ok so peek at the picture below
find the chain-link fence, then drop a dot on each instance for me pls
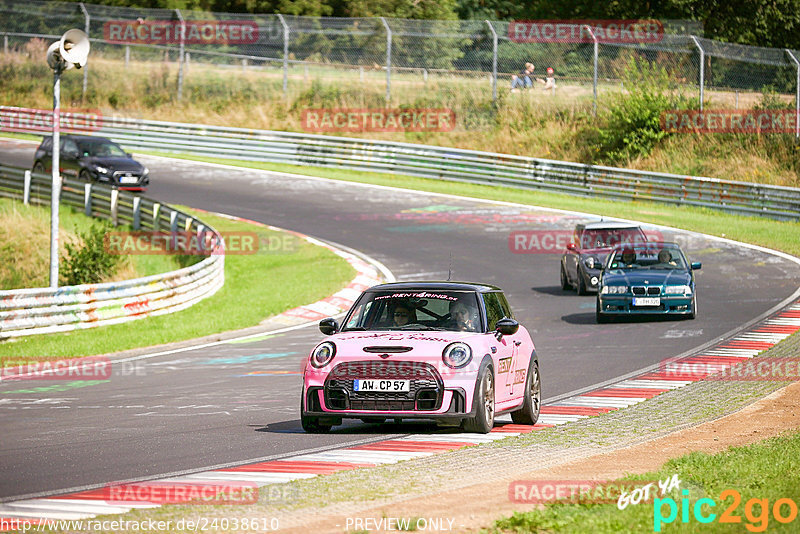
(468, 66)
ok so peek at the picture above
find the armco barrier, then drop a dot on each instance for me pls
(45, 310)
(437, 162)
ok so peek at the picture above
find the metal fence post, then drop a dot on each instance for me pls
(494, 61)
(87, 19)
(285, 54)
(796, 96)
(127, 55)
(114, 206)
(156, 215)
(180, 53)
(26, 188)
(137, 212)
(388, 61)
(702, 68)
(5, 44)
(594, 77)
(87, 199)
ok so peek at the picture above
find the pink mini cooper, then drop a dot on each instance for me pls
(445, 351)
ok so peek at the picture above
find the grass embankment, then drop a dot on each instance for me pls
(758, 231)
(256, 287)
(25, 246)
(765, 471)
(534, 123)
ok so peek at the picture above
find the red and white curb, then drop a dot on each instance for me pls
(88, 504)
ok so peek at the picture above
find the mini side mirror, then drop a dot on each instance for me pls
(129, 154)
(506, 327)
(696, 265)
(328, 326)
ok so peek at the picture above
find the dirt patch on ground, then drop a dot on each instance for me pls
(475, 507)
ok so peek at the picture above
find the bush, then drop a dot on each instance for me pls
(632, 125)
(89, 262)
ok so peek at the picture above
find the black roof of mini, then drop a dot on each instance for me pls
(432, 285)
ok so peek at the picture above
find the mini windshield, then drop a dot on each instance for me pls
(101, 149)
(455, 311)
(608, 237)
(653, 256)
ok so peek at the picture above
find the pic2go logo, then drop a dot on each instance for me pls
(756, 511)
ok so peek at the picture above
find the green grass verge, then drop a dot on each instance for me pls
(777, 235)
(26, 245)
(768, 470)
(256, 287)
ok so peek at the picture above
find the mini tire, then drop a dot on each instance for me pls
(38, 167)
(565, 285)
(311, 424)
(483, 421)
(531, 406)
(85, 176)
(580, 287)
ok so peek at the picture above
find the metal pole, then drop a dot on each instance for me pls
(5, 44)
(127, 55)
(702, 68)
(85, 67)
(55, 192)
(594, 77)
(285, 54)
(180, 53)
(796, 96)
(494, 61)
(388, 61)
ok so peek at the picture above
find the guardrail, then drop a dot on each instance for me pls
(44, 310)
(432, 162)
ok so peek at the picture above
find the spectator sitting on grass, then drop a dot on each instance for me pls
(550, 81)
(523, 79)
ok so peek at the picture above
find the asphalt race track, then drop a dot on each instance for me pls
(239, 401)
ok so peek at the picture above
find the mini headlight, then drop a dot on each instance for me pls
(323, 354)
(591, 262)
(678, 290)
(457, 355)
(146, 171)
(101, 170)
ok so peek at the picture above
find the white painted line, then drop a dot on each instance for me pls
(10, 511)
(600, 402)
(738, 353)
(238, 478)
(557, 418)
(784, 321)
(85, 506)
(652, 384)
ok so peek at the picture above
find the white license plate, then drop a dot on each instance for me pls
(647, 301)
(382, 385)
(128, 179)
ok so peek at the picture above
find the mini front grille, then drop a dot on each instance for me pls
(388, 349)
(426, 387)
